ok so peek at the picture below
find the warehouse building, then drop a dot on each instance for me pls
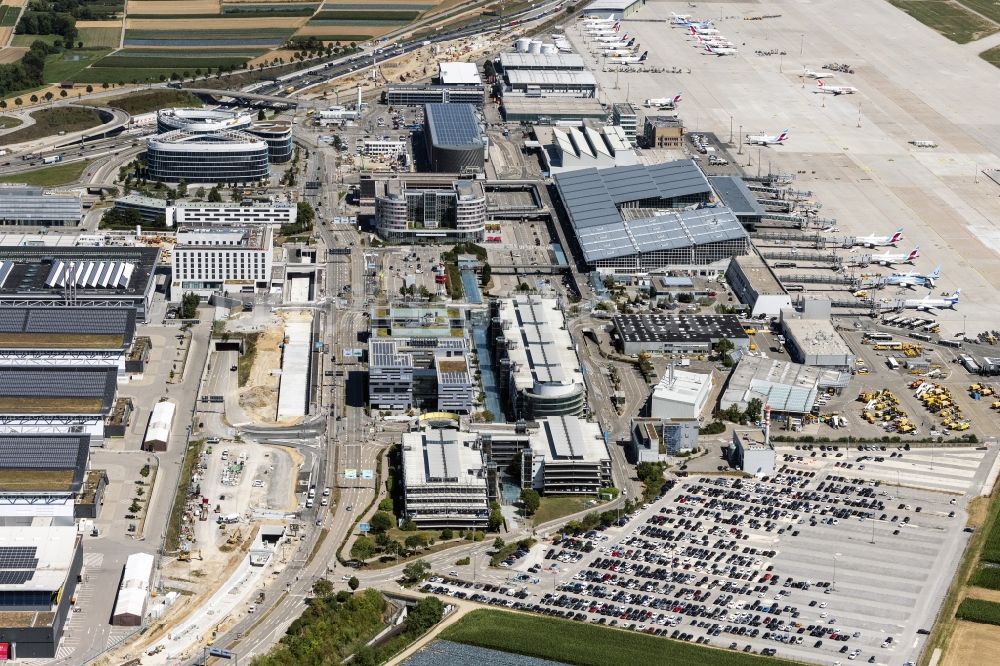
(756, 285)
(26, 206)
(618, 9)
(734, 194)
(418, 94)
(458, 74)
(790, 389)
(680, 394)
(444, 480)
(221, 260)
(538, 371)
(158, 430)
(628, 220)
(111, 276)
(541, 61)
(677, 334)
(653, 439)
(538, 83)
(46, 336)
(133, 591)
(410, 209)
(750, 452)
(552, 110)
(48, 463)
(454, 139)
(568, 148)
(812, 338)
(42, 562)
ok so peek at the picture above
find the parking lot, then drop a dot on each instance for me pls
(840, 553)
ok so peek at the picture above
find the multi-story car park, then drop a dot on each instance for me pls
(21, 205)
(220, 157)
(418, 94)
(444, 479)
(538, 371)
(108, 276)
(414, 208)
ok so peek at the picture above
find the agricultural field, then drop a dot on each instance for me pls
(12, 54)
(8, 15)
(570, 642)
(172, 8)
(979, 610)
(175, 59)
(99, 34)
(340, 33)
(948, 18)
(66, 66)
(208, 38)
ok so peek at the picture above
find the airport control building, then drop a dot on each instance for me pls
(650, 218)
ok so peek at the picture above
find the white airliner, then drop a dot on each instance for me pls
(701, 29)
(835, 90)
(720, 50)
(621, 45)
(914, 279)
(680, 19)
(611, 39)
(879, 241)
(818, 75)
(618, 53)
(630, 60)
(766, 140)
(890, 258)
(604, 31)
(927, 303)
(663, 102)
(596, 20)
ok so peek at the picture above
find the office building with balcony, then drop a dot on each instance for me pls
(444, 480)
(408, 210)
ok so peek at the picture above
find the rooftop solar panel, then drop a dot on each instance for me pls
(453, 125)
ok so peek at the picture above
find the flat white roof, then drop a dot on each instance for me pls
(458, 73)
(814, 336)
(566, 77)
(442, 457)
(542, 350)
(683, 387)
(45, 550)
(565, 438)
(160, 422)
(294, 370)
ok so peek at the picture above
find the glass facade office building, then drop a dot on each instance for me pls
(220, 157)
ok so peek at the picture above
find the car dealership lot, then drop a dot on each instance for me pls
(817, 562)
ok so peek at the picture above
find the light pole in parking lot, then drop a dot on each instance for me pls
(833, 585)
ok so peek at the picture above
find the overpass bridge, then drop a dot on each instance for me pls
(251, 96)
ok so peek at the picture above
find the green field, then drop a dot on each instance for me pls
(335, 37)
(988, 8)
(9, 122)
(208, 34)
(8, 15)
(978, 610)
(992, 56)
(991, 545)
(50, 121)
(292, 12)
(177, 63)
(586, 644)
(66, 66)
(951, 20)
(124, 75)
(557, 506)
(60, 174)
(988, 577)
(28, 40)
(144, 102)
(373, 17)
(100, 37)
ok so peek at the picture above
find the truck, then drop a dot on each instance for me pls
(229, 519)
(52, 159)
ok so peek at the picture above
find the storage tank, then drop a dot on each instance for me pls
(535, 46)
(549, 49)
(521, 44)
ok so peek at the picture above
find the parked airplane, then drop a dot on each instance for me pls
(611, 39)
(890, 258)
(702, 29)
(621, 45)
(927, 303)
(596, 20)
(680, 19)
(630, 60)
(835, 90)
(818, 75)
(604, 31)
(720, 50)
(879, 241)
(617, 52)
(766, 140)
(914, 279)
(663, 102)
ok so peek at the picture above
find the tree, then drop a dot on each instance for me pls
(530, 500)
(182, 188)
(498, 543)
(424, 615)
(408, 526)
(3, 104)
(487, 274)
(385, 504)
(261, 115)
(48, 96)
(18, 101)
(34, 99)
(380, 522)
(322, 587)
(189, 305)
(363, 548)
(414, 572)
(496, 518)
(353, 583)
(214, 196)
(63, 93)
(90, 88)
(754, 409)
(447, 534)
(200, 192)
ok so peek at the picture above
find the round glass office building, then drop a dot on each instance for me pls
(217, 157)
(201, 121)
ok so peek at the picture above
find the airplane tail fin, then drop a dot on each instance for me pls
(616, 26)
(936, 274)
(677, 98)
(783, 136)
(819, 83)
(914, 253)
(642, 58)
(954, 296)
(897, 236)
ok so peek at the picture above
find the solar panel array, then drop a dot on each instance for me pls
(30, 382)
(15, 577)
(18, 451)
(95, 321)
(17, 564)
(453, 125)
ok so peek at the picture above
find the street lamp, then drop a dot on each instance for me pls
(833, 586)
(740, 151)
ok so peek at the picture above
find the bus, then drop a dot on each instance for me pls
(894, 345)
(951, 343)
(931, 327)
(877, 337)
(892, 363)
(794, 287)
(921, 336)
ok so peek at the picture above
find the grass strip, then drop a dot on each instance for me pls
(172, 538)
